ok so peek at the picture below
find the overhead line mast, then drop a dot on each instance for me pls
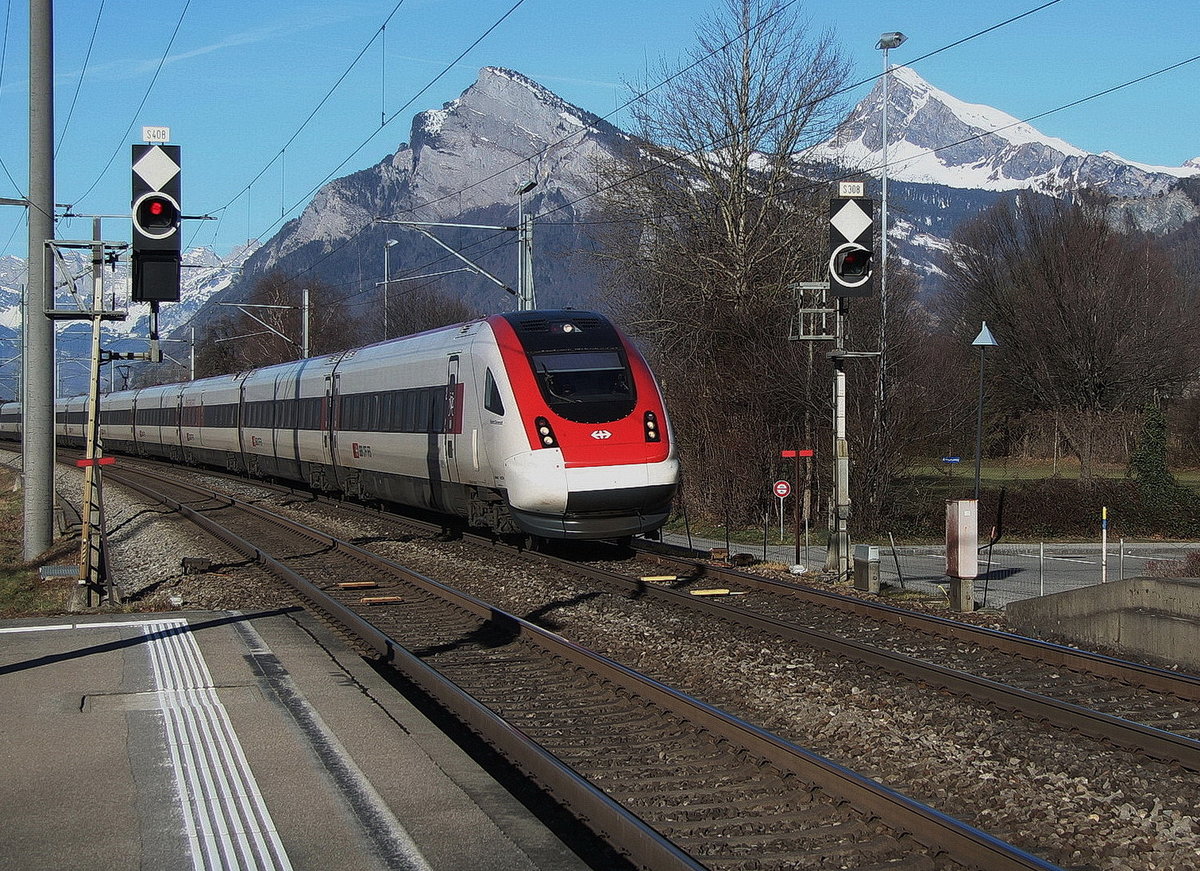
(37, 358)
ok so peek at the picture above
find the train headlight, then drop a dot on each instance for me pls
(650, 423)
(545, 433)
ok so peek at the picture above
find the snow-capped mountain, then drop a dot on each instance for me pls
(948, 160)
(203, 275)
(935, 138)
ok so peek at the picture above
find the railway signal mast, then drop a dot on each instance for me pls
(157, 219)
(155, 278)
(850, 274)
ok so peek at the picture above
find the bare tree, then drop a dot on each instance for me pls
(709, 225)
(236, 342)
(1090, 321)
(415, 309)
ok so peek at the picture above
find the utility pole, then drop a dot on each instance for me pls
(95, 584)
(838, 555)
(37, 363)
(93, 570)
(526, 297)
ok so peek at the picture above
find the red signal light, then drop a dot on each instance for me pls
(856, 262)
(156, 216)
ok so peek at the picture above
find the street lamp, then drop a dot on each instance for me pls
(887, 41)
(387, 274)
(982, 341)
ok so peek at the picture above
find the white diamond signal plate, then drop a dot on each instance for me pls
(851, 221)
(156, 168)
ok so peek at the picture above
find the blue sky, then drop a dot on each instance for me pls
(240, 78)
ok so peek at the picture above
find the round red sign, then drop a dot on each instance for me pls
(782, 489)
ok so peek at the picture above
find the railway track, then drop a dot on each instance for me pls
(670, 781)
(1140, 708)
(1132, 705)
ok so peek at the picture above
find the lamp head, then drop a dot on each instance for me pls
(891, 40)
(985, 339)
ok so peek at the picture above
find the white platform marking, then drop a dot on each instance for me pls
(226, 819)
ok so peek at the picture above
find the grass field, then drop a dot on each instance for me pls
(998, 472)
(22, 592)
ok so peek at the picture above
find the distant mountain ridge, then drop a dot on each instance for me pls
(462, 161)
(948, 161)
(204, 274)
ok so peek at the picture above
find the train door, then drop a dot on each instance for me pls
(453, 421)
(329, 425)
(240, 422)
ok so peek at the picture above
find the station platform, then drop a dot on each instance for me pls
(226, 740)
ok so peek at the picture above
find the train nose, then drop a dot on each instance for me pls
(537, 481)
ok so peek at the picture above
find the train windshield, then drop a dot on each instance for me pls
(585, 386)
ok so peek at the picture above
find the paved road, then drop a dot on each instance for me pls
(1015, 571)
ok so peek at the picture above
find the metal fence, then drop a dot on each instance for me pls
(1007, 572)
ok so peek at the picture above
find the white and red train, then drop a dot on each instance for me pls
(547, 423)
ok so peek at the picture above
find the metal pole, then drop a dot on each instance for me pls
(528, 296)
(837, 557)
(520, 251)
(38, 330)
(979, 425)
(192, 354)
(386, 275)
(1041, 568)
(92, 583)
(881, 386)
(1104, 545)
(304, 346)
(796, 512)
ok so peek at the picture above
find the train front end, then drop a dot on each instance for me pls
(597, 457)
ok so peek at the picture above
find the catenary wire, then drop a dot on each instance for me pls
(334, 249)
(809, 186)
(312, 191)
(316, 109)
(846, 89)
(3, 59)
(87, 57)
(697, 62)
(153, 79)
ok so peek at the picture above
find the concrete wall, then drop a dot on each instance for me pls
(1154, 617)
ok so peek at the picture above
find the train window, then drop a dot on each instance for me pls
(491, 394)
(586, 386)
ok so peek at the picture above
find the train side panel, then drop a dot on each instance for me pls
(399, 417)
(116, 428)
(209, 422)
(156, 422)
(10, 421)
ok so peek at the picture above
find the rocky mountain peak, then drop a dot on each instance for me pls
(508, 114)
